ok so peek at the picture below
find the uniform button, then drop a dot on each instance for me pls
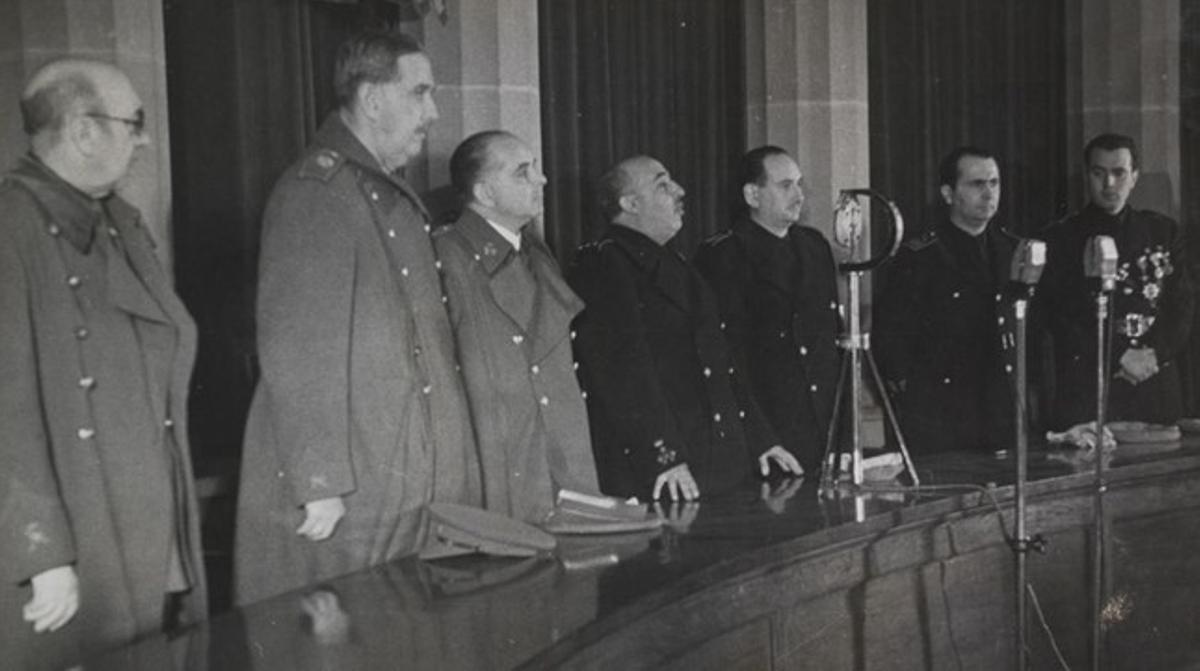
(87, 382)
(518, 339)
(832, 305)
(997, 298)
(416, 350)
(575, 366)
(1008, 368)
(445, 300)
(112, 232)
(731, 370)
(803, 351)
(583, 395)
(722, 326)
(1000, 321)
(54, 230)
(545, 400)
(404, 272)
(783, 334)
(391, 232)
(741, 414)
(572, 335)
(534, 369)
(74, 281)
(85, 433)
(945, 380)
(437, 264)
(478, 257)
(374, 195)
(720, 434)
(813, 388)
(168, 422)
(716, 416)
(428, 228)
(707, 372)
(427, 389)
(82, 333)
(954, 295)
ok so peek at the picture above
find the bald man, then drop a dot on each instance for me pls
(671, 417)
(99, 539)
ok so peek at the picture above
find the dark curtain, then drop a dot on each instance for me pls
(1189, 110)
(625, 77)
(945, 73)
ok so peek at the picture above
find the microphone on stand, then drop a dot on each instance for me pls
(1100, 261)
(1028, 262)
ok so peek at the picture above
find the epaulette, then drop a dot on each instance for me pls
(922, 241)
(322, 164)
(717, 239)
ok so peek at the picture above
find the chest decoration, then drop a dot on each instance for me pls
(1141, 284)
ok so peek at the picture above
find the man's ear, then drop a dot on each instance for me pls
(481, 192)
(947, 194)
(81, 132)
(750, 194)
(367, 100)
(628, 202)
(1133, 178)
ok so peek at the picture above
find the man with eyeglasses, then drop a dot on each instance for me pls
(359, 419)
(99, 535)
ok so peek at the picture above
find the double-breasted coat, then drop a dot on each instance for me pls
(360, 396)
(943, 335)
(511, 315)
(662, 389)
(1152, 307)
(96, 352)
(779, 302)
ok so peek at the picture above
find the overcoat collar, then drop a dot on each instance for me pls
(76, 214)
(555, 304)
(960, 247)
(649, 257)
(763, 254)
(336, 135)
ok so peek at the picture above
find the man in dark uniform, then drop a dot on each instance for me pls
(941, 321)
(1151, 307)
(360, 418)
(776, 285)
(669, 412)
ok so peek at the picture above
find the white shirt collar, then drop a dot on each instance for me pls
(513, 239)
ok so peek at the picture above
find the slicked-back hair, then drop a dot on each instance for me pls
(470, 160)
(46, 108)
(752, 170)
(948, 170)
(613, 184)
(369, 58)
(1111, 142)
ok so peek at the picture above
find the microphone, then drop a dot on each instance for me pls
(848, 221)
(1100, 261)
(1028, 261)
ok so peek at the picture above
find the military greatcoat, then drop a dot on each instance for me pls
(942, 334)
(96, 351)
(360, 396)
(661, 387)
(778, 298)
(1151, 307)
(511, 314)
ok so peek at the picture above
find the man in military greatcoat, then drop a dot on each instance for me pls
(1151, 307)
(776, 284)
(942, 321)
(670, 414)
(99, 535)
(511, 312)
(359, 419)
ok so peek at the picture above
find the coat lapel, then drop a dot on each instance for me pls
(126, 288)
(556, 305)
(647, 256)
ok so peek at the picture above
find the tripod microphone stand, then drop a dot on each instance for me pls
(856, 343)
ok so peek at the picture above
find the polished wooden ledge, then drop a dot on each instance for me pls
(772, 576)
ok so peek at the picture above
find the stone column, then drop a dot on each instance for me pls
(806, 67)
(128, 33)
(485, 59)
(1125, 64)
